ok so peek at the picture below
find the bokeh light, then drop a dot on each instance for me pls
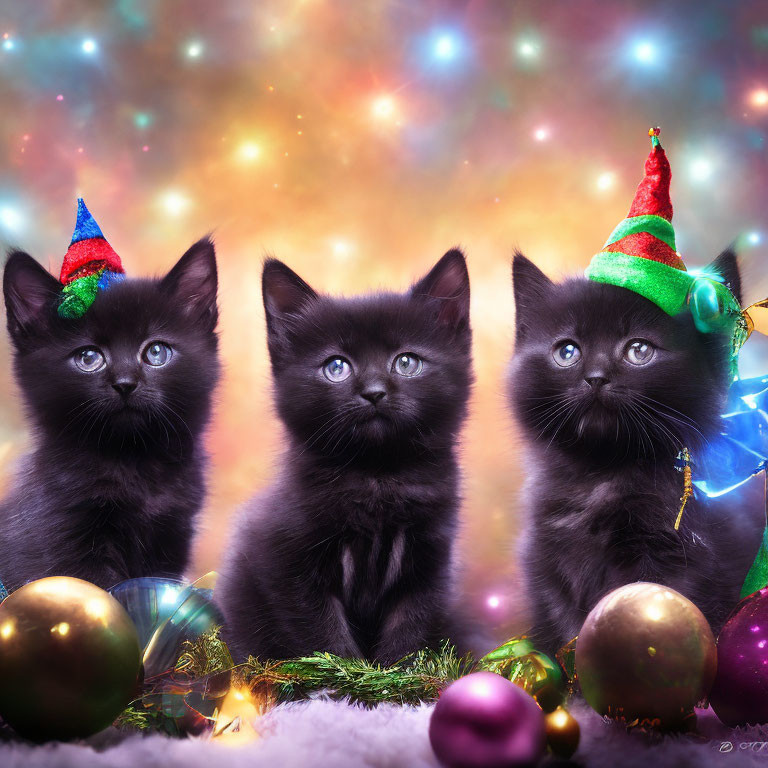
(89, 46)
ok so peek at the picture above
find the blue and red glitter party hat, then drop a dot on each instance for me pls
(90, 265)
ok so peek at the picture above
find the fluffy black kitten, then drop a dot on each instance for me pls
(117, 401)
(350, 550)
(608, 388)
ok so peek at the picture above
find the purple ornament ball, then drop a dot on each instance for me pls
(740, 693)
(485, 721)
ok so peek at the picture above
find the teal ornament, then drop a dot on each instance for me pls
(706, 306)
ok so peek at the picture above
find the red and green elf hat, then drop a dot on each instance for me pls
(640, 255)
(90, 265)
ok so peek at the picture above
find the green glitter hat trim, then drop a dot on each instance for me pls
(654, 225)
(78, 295)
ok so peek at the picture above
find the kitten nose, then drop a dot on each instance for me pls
(124, 386)
(596, 381)
(373, 394)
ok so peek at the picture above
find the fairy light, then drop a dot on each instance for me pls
(194, 49)
(759, 97)
(493, 601)
(248, 151)
(445, 47)
(174, 203)
(700, 169)
(606, 180)
(754, 238)
(528, 49)
(541, 133)
(11, 218)
(383, 107)
(644, 52)
(89, 46)
(8, 42)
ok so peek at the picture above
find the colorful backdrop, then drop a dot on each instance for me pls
(358, 141)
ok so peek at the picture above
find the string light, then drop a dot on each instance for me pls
(8, 43)
(754, 238)
(541, 133)
(89, 46)
(493, 601)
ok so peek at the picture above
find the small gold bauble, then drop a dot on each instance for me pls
(563, 733)
(645, 653)
(69, 659)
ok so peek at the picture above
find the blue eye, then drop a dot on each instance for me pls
(407, 364)
(566, 353)
(157, 353)
(89, 359)
(337, 369)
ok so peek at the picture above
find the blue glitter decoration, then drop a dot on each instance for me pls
(741, 450)
(109, 278)
(86, 227)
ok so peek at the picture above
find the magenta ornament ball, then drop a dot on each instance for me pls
(740, 693)
(485, 721)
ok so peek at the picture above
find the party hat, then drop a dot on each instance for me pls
(641, 255)
(90, 265)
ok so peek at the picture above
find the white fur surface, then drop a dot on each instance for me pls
(333, 735)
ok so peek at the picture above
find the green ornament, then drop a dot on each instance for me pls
(533, 671)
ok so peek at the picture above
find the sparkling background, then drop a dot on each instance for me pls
(358, 141)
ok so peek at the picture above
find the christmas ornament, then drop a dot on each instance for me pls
(90, 265)
(645, 652)
(563, 733)
(69, 659)
(484, 720)
(641, 255)
(740, 693)
(532, 670)
(149, 602)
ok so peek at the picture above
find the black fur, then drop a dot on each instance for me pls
(602, 492)
(350, 550)
(115, 480)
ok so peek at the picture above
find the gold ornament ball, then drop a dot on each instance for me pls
(563, 733)
(69, 659)
(645, 653)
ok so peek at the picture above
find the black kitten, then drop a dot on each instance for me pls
(117, 400)
(350, 551)
(608, 388)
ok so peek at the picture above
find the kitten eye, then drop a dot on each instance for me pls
(407, 364)
(157, 353)
(639, 352)
(337, 369)
(566, 353)
(89, 359)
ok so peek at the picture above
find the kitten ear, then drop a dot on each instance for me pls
(193, 282)
(29, 291)
(284, 292)
(530, 286)
(726, 266)
(448, 283)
